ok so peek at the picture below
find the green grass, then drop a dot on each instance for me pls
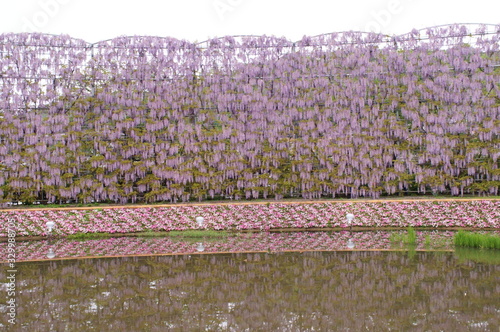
(89, 236)
(397, 237)
(427, 241)
(198, 234)
(409, 238)
(178, 234)
(151, 234)
(476, 240)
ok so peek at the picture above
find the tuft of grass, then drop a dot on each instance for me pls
(151, 234)
(397, 237)
(409, 238)
(476, 240)
(427, 241)
(198, 234)
(89, 236)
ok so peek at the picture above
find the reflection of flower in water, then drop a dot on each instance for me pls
(323, 289)
(243, 242)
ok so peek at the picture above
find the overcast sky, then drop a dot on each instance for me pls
(198, 20)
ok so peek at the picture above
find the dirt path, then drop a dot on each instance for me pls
(294, 201)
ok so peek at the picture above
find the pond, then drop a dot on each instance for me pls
(280, 291)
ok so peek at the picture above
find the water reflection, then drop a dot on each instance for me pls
(312, 291)
(238, 242)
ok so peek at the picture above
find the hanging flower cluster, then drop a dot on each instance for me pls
(160, 119)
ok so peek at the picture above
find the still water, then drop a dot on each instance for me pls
(310, 291)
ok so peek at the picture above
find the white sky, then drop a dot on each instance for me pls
(198, 20)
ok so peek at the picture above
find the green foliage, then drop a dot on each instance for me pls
(177, 234)
(88, 236)
(396, 237)
(198, 233)
(410, 238)
(427, 241)
(477, 240)
(151, 234)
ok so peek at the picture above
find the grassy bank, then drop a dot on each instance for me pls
(178, 234)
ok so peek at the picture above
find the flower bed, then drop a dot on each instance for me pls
(241, 242)
(438, 214)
